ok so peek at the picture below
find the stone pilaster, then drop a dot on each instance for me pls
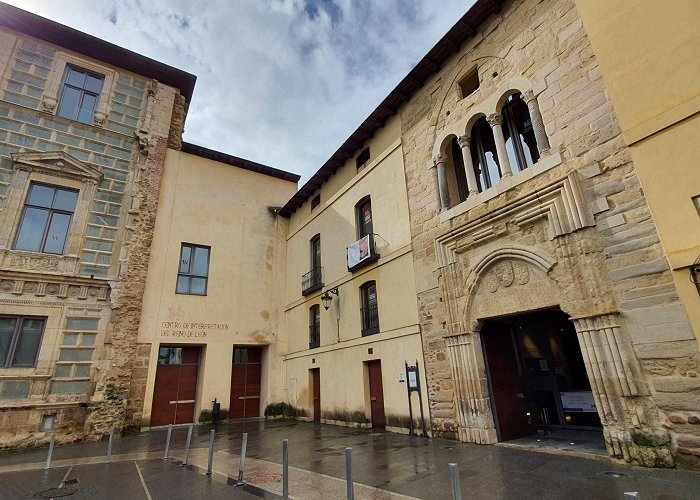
(471, 390)
(630, 420)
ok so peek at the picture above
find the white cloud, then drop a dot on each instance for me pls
(280, 82)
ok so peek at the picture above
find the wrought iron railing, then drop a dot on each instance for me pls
(312, 281)
(370, 320)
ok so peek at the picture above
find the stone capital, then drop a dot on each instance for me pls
(527, 96)
(440, 158)
(463, 141)
(495, 119)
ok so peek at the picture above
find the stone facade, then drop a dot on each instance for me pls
(573, 231)
(91, 294)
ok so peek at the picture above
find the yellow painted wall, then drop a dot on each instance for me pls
(343, 352)
(213, 204)
(647, 52)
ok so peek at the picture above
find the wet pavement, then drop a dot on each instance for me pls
(385, 466)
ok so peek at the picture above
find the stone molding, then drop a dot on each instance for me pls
(57, 164)
(561, 204)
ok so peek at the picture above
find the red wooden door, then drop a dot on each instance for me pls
(246, 378)
(376, 394)
(316, 374)
(175, 388)
(506, 384)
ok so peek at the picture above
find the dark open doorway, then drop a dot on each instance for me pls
(537, 376)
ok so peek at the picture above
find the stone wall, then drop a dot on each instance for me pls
(91, 294)
(573, 231)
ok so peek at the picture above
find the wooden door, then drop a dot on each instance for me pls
(316, 391)
(508, 391)
(175, 388)
(376, 394)
(246, 375)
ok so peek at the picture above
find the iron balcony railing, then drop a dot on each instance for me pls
(362, 253)
(312, 281)
(370, 320)
(314, 336)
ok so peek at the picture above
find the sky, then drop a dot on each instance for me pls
(279, 82)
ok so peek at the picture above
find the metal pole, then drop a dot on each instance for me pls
(211, 452)
(285, 469)
(187, 445)
(348, 473)
(454, 481)
(48, 457)
(420, 400)
(109, 446)
(167, 441)
(244, 445)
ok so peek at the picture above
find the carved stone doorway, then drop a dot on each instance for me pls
(537, 376)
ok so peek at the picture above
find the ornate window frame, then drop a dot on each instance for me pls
(58, 169)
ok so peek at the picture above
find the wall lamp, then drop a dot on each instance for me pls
(326, 297)
(695, 273)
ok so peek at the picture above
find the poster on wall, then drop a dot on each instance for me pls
(580, 401)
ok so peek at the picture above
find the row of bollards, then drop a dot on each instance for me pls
(453, 467)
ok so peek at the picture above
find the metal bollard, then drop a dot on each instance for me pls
(167, 441)
(211, 451)
(109, 446)
(632, 495)
(187, 445)
(454, 481)
(244, 445)
(48, 457)
(348, 473)
(285, 469)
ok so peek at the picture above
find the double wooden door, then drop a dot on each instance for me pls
(245, 382)
(175, 390)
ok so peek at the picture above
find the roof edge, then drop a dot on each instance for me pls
(63, 36)
(236, 161)
(465, 28)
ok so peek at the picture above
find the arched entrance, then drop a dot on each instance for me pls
(536, 375)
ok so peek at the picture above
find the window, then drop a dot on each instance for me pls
(364, 218)
(470, 83)
(20, 338)
(484, 156)
(313, 280)
(362, 158)
(314, 326)
(46, 219)
(368, 308)
(522, 152)
(194, 270)
(81, 91)
(315, 201)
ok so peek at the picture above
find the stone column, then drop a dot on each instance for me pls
(537, 123)
(475, 421)
(495, 120)
(473, 186)
(439, 162)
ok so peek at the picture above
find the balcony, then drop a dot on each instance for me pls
(370, 320)
(312, 281)
(362, 253)
(314, 337)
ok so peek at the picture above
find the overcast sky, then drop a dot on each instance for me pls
(280, 82)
